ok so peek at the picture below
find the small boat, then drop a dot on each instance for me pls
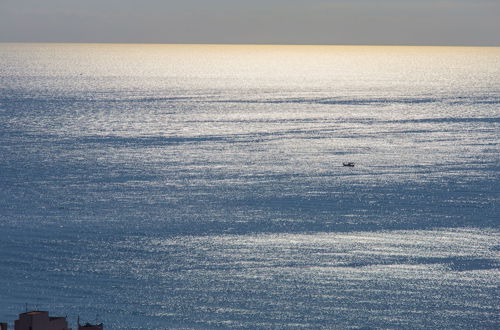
(349, 164)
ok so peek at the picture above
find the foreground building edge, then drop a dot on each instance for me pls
(40, 320)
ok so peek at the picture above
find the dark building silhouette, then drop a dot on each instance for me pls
(40, 320)
(3, 326)
(88, 326)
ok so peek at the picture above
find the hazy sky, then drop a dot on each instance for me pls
(393, 22)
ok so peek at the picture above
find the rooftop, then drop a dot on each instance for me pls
(35, 313)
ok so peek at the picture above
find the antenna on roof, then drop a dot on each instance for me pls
(26, 307)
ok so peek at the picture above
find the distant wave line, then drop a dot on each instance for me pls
(461, 100)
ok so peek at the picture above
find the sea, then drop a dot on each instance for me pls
(203, 186)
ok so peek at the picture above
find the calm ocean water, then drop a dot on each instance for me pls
(202, 186)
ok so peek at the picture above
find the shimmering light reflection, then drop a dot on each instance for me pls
(311, 279)
(202, 186)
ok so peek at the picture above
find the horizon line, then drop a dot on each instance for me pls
(246, 44)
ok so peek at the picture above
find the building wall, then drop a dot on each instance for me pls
(58, 324)
(32, 321)
(40, 320)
